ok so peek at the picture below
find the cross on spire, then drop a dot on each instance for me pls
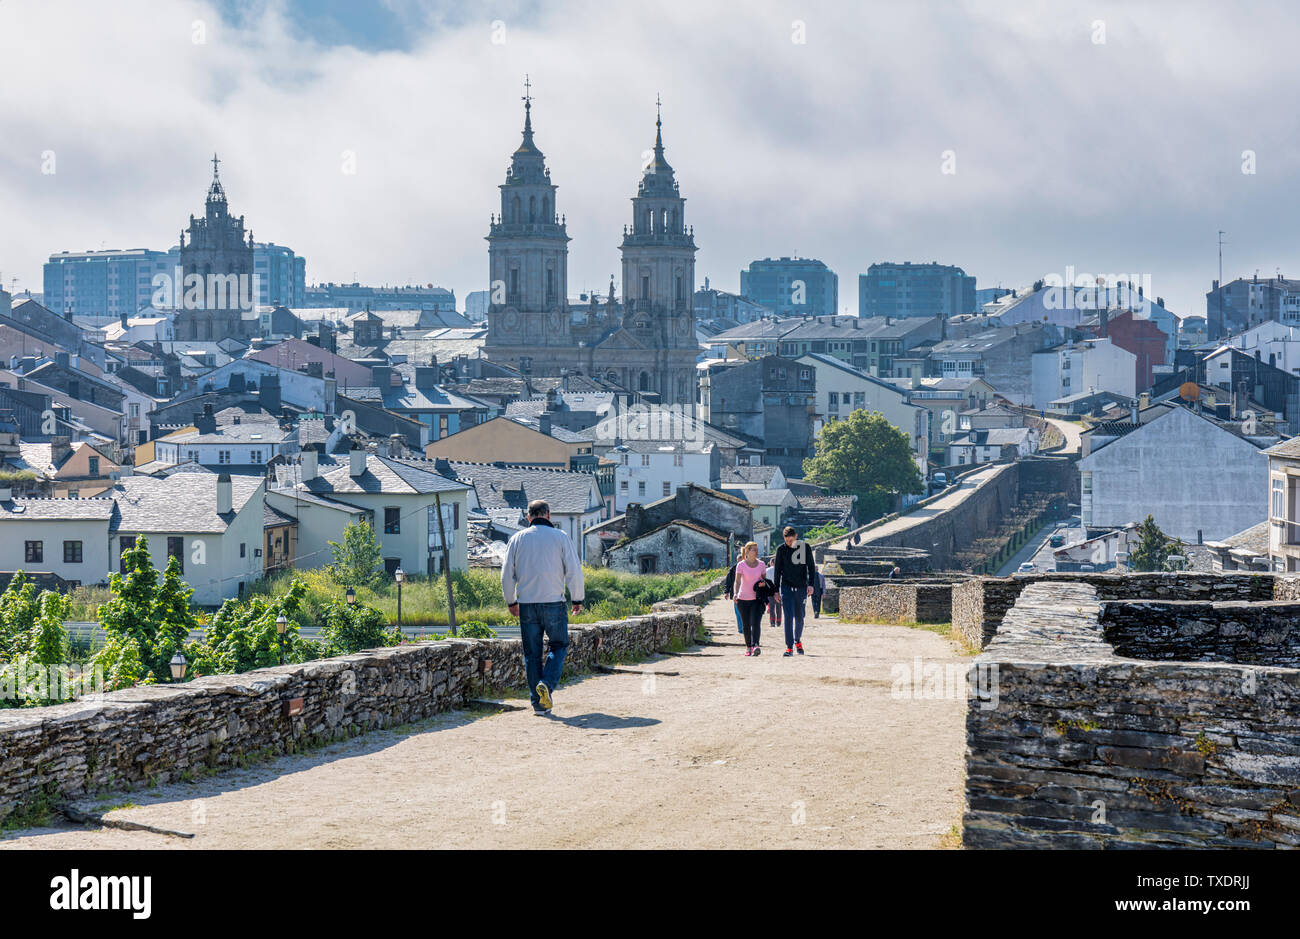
(659, 109)
(528, 91)
(215, 161)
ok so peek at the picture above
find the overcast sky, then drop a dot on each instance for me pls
(1123, 155)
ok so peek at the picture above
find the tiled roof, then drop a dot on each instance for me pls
(382, 475)
(749, 474)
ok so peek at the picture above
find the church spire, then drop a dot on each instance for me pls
(216, 193)
(659, 164)
(528, 146)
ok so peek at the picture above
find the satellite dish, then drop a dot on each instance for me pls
(1189, 391)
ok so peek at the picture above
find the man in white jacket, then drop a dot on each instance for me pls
(540, 562)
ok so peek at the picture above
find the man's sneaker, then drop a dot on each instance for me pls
(798, 647)
(787, 653)
(749, 650)
(757, 650)
(541, 712)
(543, 695)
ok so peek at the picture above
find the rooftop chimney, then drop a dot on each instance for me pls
(426, 376)
(357, 463)
(544, 425)
(307, 460)
(225, 499)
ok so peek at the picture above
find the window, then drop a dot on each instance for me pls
(72, 552)
(622, 485)
(35, 552)
(668, 489)
(645, 459)
(391, 565)
(124, 544)
(1279, 504)
(243, 549)
(640, 488)
(176, 549)
(859, 399)
(677, 459)
(135, 410)
(223, 456)
(94, 466)
(392, 521)
(704, 561)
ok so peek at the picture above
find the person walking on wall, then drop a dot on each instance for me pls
(750, 573)
(774, 601)
(730, 587)
(540, 562)
(795, 577)
(819, 589)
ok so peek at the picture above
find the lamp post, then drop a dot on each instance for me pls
(179, 665)
(399, 575)
(351, 597)
(281, 624)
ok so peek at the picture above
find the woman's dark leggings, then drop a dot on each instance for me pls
(751, 618)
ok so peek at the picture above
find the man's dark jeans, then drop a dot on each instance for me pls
(553, 620)
(792, 599)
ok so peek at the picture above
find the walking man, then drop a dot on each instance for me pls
(540, 562)
(795, 574)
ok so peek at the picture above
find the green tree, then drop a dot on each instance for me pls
(357, 558)
(19, 610)
(1153, 549)
(866, 456)
(129, 613)
(243, 636)
(173, 616)
(350, 628)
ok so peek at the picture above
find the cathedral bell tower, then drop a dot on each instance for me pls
(528, 252)
(659, 275)
(220, 252)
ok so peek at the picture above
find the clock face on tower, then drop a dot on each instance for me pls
(554, 322)
(510, 321)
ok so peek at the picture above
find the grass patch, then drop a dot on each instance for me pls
(951, 839)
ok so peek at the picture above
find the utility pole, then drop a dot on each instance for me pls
(446, 564)
(1219, 293)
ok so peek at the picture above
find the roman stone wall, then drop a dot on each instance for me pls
(906, 602)
(158, 732)
(1254, 633)
(1072, 745)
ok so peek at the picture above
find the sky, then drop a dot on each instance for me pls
(1014, 139)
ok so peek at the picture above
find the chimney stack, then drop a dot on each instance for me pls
(225, 499)
(307, 460)
(357, 463)
(544, 424)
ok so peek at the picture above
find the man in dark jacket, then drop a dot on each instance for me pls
(795, 574)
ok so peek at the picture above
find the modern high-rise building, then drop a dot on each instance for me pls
(792, 286)
(102, 285)
(907, 289)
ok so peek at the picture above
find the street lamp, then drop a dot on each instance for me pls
(281, 624)
(179, 665)
(351, 597)
(399, 575)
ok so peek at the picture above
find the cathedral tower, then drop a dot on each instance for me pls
(659, 279)
(220, 253)
(528, 253)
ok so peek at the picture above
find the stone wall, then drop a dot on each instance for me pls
(905, 602)
(1070, 745)
(1248, 633)
(159, 732)
(978, 605)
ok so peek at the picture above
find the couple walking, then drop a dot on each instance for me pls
(794, 577)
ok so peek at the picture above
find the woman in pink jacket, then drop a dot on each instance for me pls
(749, 571)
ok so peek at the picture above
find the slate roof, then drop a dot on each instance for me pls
(383, 475)
(184, 502)
(1287, 448)
(761, 496)
(500, 487)
(750, 474)
(993, 437)
(26, 510)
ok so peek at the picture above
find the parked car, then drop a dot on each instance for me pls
(1057, 540)
(941, 479)
(1027, 568)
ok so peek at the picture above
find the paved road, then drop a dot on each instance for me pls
(955, 496)
(735, 752)
(1039, 550)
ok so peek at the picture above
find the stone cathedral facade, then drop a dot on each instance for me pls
(647, 342)
(216, 248)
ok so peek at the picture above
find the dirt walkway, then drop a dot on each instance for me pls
(734, 753)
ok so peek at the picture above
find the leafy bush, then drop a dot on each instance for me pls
(351, 628)
(155, 617)
(243, 636)
(475, 629)
(357, 557)
(828, 532)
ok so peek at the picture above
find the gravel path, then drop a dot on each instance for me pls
(735, 752)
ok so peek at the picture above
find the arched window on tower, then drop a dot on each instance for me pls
(649, 223)
(675, 228)
(546, 209)
(550, 283)
(643, 382)
(679, 288)
(532, 208)
(514, 210)
(663, 220)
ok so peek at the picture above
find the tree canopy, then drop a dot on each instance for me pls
(866, 456)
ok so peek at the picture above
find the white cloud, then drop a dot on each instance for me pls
(1122, 156)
